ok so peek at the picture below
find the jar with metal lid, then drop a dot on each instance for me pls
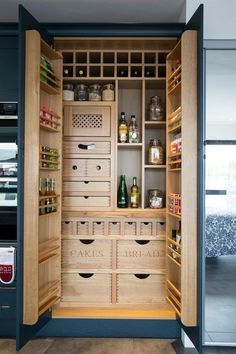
(156, 199)
(155, 152)
(81, 92)
(155, 110)
(95, 92)
(108, 92)
(68, 92)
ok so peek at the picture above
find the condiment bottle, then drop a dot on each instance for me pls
(133, 131)
(134, 197)
(123, 129)
(155, 109)
(155, 152)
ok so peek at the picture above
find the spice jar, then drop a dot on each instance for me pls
(68, 92)
(95, 92)
(155, 152)
(155, 198)
(155, 110)
(108, 93)
(81, 92)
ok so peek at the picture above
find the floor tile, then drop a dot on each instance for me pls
(36, 346)
(150, 346)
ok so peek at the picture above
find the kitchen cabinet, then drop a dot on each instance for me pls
(82, 257)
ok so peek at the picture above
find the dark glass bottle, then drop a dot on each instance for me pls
(122, 196)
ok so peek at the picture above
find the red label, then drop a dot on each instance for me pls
(6, 273)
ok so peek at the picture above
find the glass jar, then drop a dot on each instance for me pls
(108, 92)
(155, 110)
(155, 198)
(95, 92)
(155, 152)
(81, 92)
(68, 92)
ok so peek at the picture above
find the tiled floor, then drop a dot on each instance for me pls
(221, 299)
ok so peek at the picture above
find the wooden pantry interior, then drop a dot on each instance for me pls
(83, 256)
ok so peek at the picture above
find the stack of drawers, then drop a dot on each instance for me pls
(88, 150)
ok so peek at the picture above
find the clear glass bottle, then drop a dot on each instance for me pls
(155, 111)
(123, 129)
(133, 131)
(122, 195)
(155, 152)
(134, 197)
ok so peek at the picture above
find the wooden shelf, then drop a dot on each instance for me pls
(48, 255)
(49, 196)
(48, 291)
(174, 215)
(176, 129)
(174, 288)
(49, 242)
(50, 72)
(49, 89)
(114, 237)
(175, 73)
(49, 161)
(174, 243)
(48, 78)
(48, 169)
(155, 166)
(174, 251)
(49, 52)
(49, 128)
(51, 213)
(129, 145)
(149, 123)
(174, 169)
(174, 260)
(88, 103)
(51, 301)
(126, 212)
(174, 89)
(177, 310)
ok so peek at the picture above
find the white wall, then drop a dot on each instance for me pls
(219, 17)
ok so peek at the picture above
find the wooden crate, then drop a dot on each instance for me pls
(86, 287)
(140, 288)
(87, 121)
(114, 228)
(86, 147)
(87, 167)
(141, 254)
(86, 254)
(86, 186)
(72, 202)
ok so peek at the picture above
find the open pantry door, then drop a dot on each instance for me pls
(39, 215)
(185, 188)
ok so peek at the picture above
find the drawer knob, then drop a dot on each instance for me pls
(86, 146)
(67, 222)
(85, 197)
(142, 242)
(86, 242)
(86, 182)
(74, 167)
(98, 167)
(141, 276)
(85, 275)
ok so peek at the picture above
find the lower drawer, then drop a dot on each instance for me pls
(86, 254)
(86, 186)
(86, 202)
(140, 288)
(86, 287)
(7, 304)
(141, 254)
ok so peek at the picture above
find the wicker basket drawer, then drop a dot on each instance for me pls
(86, 288)
(140, 288)
(86, 254)
(146, 228)
(87, 168)
(67, 227)
(85, 147)
(86, 186)
(160, 228)
(87, 121)
(141, 254)
(130, 228)
(72, 203)
(98, 228)
(82, 228)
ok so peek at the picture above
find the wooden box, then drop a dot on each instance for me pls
(146, 228)
(140, 288)
(114, 228)
(141, 254)
(67, 227)
(85, 147)
(130, 228)
(72, 203)
(86, 186)
(98, 228)
(86, 288)
(87, 168)
(87, 121)
(82, 228)
(86, 254)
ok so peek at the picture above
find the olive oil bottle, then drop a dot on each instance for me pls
(134, 197)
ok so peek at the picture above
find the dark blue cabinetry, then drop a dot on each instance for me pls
(8, 68)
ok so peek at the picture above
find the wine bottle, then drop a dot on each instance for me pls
(133, 131)
(134, 197)
(123, 129)
(122, 196)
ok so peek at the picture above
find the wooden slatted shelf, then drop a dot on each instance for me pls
(176, 129)
(49, 169)
(155, 166)
(49, 89)
(48, 291)
(174, 242)
(48, 255)
(175, 73)
(47, 214)
(51, 301)
(48, 206)
(52, 120)
(129, 145)
(174, 288)
(49, 161)
(49, 128)
(50, 72)
(150, 123)
(52, 82)
(49, 196)
(114, 237)
(173, 260)
(172, 303)
(174, 215)
(49, 242)
(49, 153)
(174, 297)
(174, 251)
(49, 52)
(174, 89)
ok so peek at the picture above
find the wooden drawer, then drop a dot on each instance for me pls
(7, 304)
(87, 121)
(67, 227)
(86, 288)
(160, 228)
(146, 228)
(86, 254)
(140, 288)
(82, 228)
(130, 228)
(98, 228)
(141, 254)
(86, 186)
(87, 168)
(85, 147)
(114, 228)
(72, 203)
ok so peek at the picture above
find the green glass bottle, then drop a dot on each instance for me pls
(122, 197)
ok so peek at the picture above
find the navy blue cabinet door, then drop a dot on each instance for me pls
(8, 68)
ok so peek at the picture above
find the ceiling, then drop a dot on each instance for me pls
(97, 11)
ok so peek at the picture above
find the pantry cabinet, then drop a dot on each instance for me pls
(80, 253)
